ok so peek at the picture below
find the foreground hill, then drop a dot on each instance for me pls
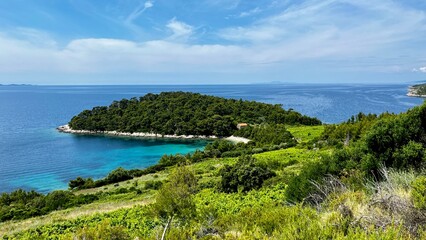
(181, 113)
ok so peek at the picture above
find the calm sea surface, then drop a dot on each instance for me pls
(33, 155)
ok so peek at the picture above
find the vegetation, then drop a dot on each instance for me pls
(418, 90)
(289, 182)
(244, 176)
(419, 192)
(267, 134)
(183, 113)
(175, 198)
(21, 204)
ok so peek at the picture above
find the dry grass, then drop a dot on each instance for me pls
(385, 203)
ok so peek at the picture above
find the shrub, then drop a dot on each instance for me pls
(118, 175)
(155, 185)
(171, 160)
(257, 150)
(104, 230)
(301, 186)
(244, 176)
(418, 192)
(81, 183)
(58, 200)
(409, 155)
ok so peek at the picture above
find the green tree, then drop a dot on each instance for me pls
(244, 176)
(119, 174)
(175, 199)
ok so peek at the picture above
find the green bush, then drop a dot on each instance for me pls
(58, 200)
(81, 183)
(103, 230)
(155, 185)
(171, 160)
(418, 192)
(300, 186)
(118, 175)
(411, 154)
(244, 176)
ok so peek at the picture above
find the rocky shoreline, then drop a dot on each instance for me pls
(413, 92)
(68, 129)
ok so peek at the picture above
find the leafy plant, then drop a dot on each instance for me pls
(244, 176)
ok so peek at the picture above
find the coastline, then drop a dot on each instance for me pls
(67, 129)
(412, 92)
(235, 139)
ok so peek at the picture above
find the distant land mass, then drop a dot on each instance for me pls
(15, 84)
(418, 90)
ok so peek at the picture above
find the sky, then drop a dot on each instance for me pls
(212, 41)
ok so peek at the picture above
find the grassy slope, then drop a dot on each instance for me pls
(236, 215)
(287, 161)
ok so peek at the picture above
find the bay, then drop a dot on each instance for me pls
(33, 155)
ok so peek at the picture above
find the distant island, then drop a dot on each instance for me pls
(16, 85)
(180, 114)
(418, 90)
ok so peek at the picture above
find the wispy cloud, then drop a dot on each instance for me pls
(252, 12)
(137, 12)
(180, 30)
(318, 29)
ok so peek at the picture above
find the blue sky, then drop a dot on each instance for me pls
(212, 41)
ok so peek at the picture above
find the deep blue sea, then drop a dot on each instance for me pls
(33, 155)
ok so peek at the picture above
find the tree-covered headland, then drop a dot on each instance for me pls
(184, 113)
(418, 90)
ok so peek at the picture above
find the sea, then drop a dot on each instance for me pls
(34, 156)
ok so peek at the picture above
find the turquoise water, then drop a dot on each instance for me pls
(33, 155)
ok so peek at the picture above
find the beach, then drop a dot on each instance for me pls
(67, 129)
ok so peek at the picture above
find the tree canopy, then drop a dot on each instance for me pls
(184, 113)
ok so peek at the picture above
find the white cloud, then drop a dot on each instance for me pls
(420, 69)
(250, 13)
(180, 30)
(148, 4)
(314, 33)
(139, 10)
(319, 29)
(83, 56)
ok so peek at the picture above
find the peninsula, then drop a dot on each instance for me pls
(180, 115)
(418, 90)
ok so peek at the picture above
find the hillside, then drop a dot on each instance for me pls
(181, 113)
(418, 90)
(362, 179)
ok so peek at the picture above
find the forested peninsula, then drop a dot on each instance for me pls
(183, 113)
(418, 90)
